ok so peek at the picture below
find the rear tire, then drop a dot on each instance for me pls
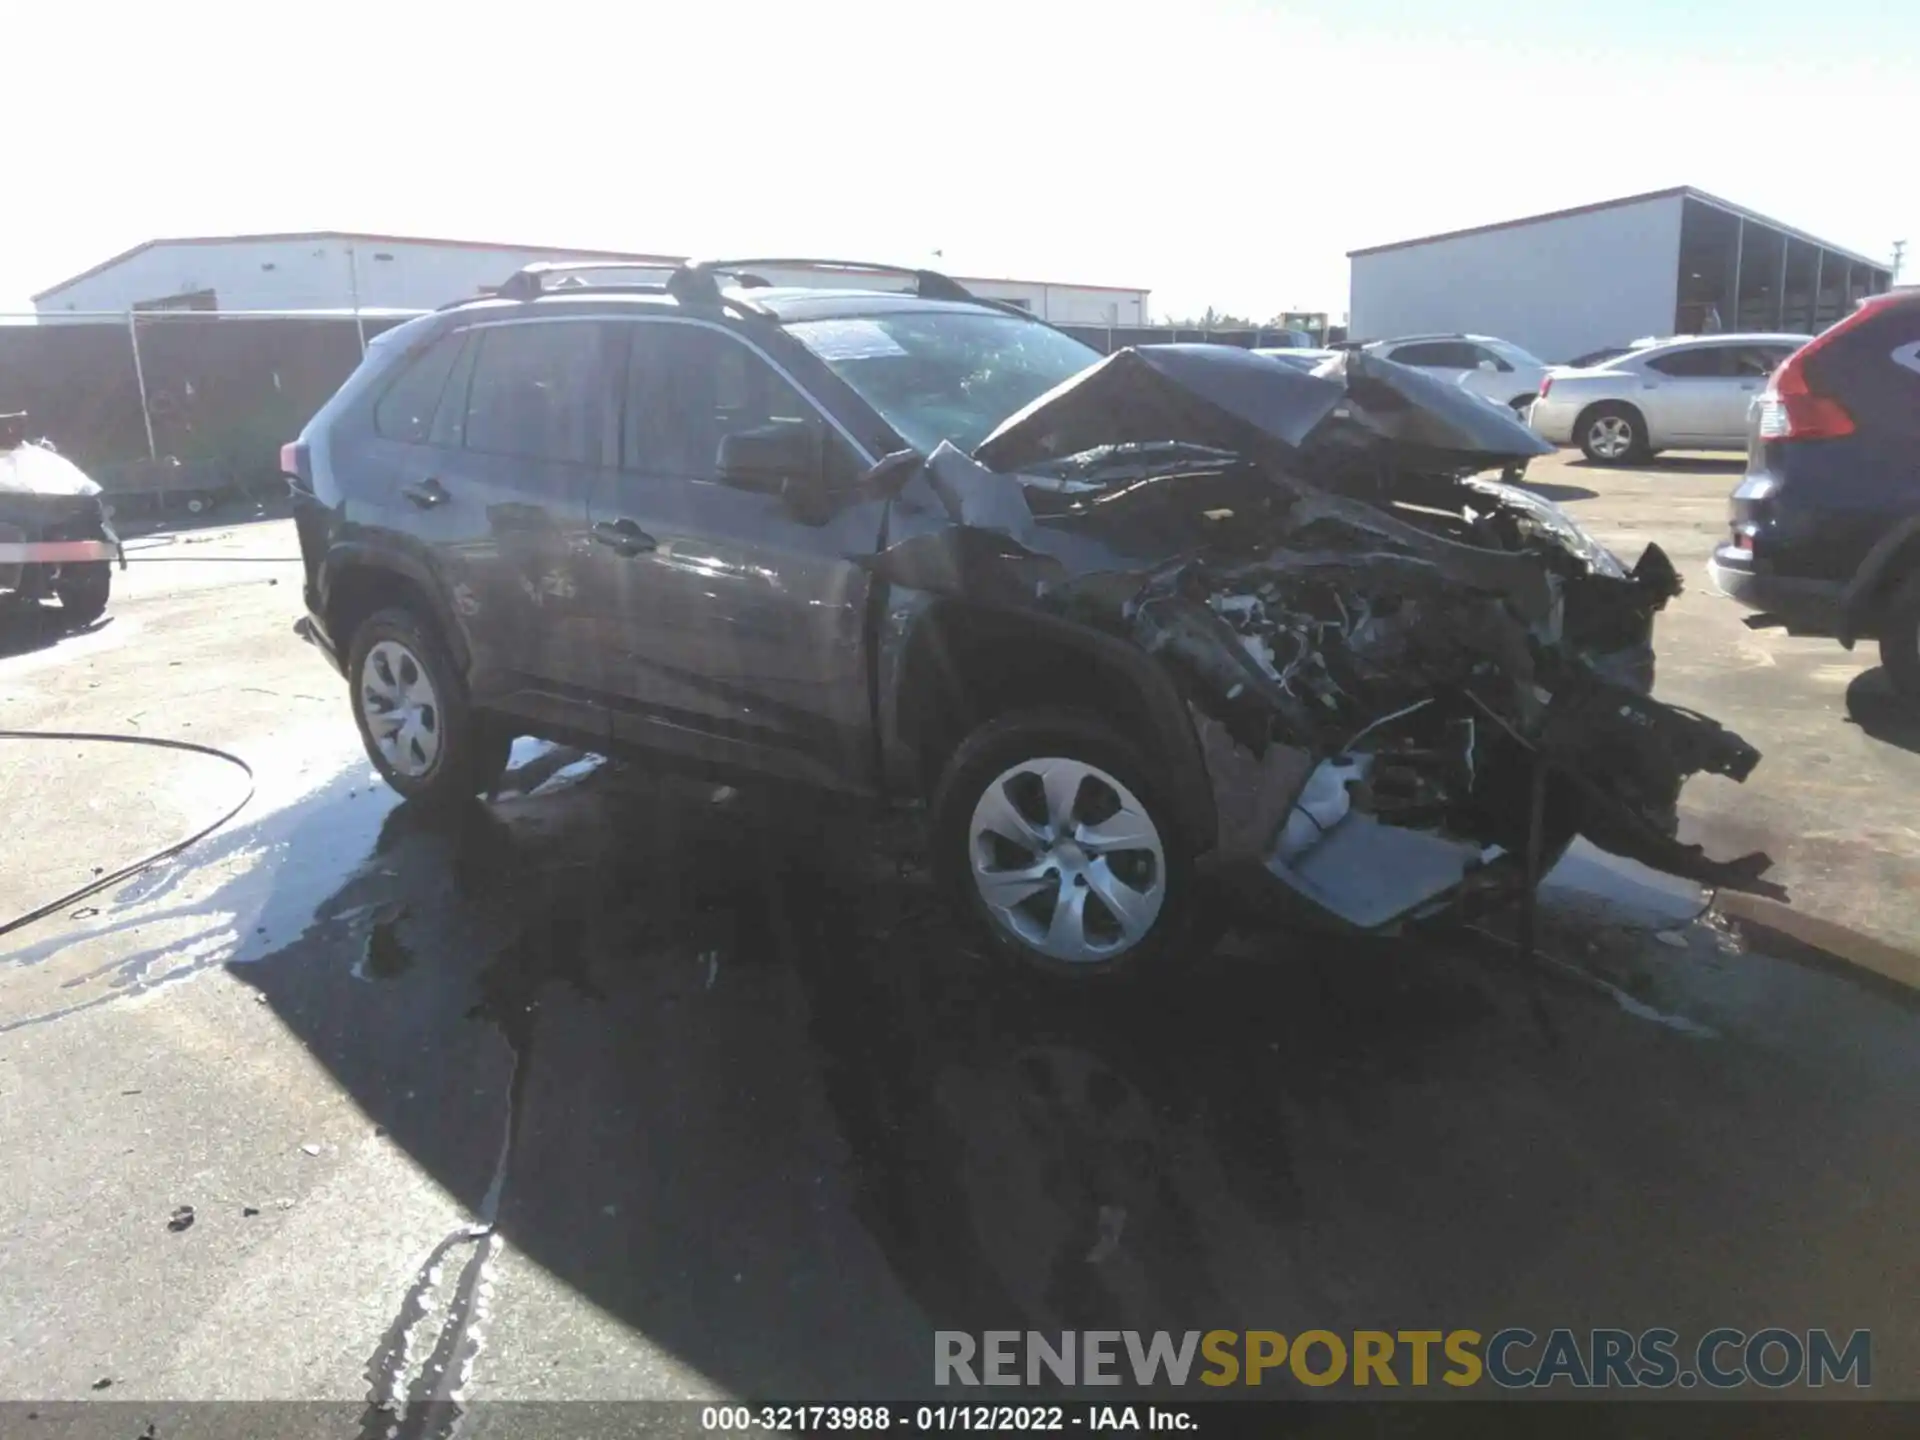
(1066, 811)
(1900, 639)
(410, 704)
(83, 591)
(1612, 434)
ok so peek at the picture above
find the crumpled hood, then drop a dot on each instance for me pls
(1233, 399)
(34, 470)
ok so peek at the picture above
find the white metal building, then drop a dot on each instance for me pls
(336, 270)
(1669, 262)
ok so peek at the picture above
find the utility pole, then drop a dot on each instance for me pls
(140, 379)
(353, 288)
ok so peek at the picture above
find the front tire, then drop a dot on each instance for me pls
(1051, 832)
(83, 590)
(1900, 640)
(1613, 434)
(410, 704)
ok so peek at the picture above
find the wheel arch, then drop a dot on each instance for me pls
(360, 580)
(1612, 403)
(960, 665)
(1893, 558)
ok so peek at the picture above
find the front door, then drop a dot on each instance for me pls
(738, 615)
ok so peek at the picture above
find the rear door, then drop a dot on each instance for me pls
(499, 502)
(1687, 394)
(1748, 367)
(738, 615)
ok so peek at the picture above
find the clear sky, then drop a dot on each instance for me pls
(1218, 153)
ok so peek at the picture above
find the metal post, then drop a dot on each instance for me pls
(1739, 250)
(1780, 306)
(353, 287)
(140, 378)
(1819, 276)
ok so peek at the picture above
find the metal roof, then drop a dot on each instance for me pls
(557, 251)
(1674, 192)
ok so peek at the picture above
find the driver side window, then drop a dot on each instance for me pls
(688, 387)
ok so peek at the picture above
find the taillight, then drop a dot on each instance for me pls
(293, 462)
(1791, 410)
(1546, 384)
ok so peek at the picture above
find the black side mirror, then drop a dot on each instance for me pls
(777, 459)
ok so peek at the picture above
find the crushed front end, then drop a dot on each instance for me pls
(1410, 685)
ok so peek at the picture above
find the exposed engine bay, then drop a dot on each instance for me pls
(1407, 681)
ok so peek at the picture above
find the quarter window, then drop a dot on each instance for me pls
(406, 411)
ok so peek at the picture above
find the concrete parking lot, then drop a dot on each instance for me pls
(626, 1087)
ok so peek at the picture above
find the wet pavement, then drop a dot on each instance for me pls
(629, 1087)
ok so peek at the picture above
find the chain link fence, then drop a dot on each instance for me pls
(182, 402)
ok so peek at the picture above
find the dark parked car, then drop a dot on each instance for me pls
(1139, 630)
(1826, 523)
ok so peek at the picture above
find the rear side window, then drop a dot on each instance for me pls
(1709, 360)
(535, 392)
(1439, 355)
(1750, 361)
(405, 412)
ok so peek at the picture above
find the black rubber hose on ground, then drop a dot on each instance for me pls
(127, 872)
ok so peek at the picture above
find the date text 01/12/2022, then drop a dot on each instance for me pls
(935, 1419)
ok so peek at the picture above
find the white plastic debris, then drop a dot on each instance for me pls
(1322, 805)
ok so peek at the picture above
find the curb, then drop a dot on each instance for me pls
(1824, 943)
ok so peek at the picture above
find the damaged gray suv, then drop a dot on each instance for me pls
(1150, 635)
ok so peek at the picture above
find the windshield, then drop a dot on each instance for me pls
(945, 375)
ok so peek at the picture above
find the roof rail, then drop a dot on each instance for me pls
(927, 284)
(530, 281)
(697, 282)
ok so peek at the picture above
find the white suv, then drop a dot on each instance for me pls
(1688, 392)
(1491, 368)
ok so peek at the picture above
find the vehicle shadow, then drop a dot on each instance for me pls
(766, 1105)
(1673, 464)
(25, 628)
(1887, 716)
(1559, 494)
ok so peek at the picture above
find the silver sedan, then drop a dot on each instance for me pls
(1686, 393)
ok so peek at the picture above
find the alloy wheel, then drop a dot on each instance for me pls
(1611, 436)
